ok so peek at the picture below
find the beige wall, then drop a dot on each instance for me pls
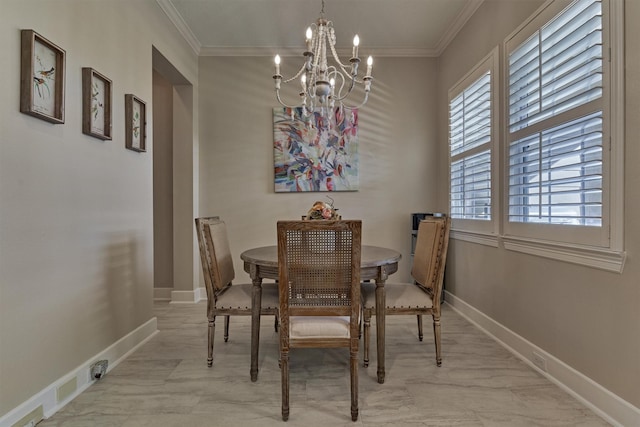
(397, 153)
(162, 182)
(587, 318)
(76, 235)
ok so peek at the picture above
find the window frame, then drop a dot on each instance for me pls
(477, 230)
(601, 248)
(609, 253)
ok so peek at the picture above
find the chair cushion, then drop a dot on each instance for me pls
(319, 326)
(239, 297)
(398, 295)
(221, 253)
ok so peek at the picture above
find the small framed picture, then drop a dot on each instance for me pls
(41, 78)
(135, 123)
(96, 104)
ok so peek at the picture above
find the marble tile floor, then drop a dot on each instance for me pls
(166, 383)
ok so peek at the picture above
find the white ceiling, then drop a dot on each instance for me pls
(266, 27)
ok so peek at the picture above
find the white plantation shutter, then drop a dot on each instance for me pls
(556, 121)
(470, 132)
(555, 176)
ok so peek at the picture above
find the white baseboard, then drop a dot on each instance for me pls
(606, 404)
(115, 353)
(182, 297)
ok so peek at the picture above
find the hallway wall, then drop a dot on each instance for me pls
(76, 235)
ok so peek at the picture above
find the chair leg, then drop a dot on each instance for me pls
(367, 330)
(420, 334)
(284, 372)
(436, 336)
(353, 362)
(275, 326)
(212, 331)
(226, 328)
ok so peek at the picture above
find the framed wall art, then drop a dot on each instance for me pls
(96, 104)
(41, 78)
(135, 123)
(315, 151)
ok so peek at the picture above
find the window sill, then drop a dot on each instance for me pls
(603, 259)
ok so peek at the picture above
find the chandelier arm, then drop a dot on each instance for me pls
(337, 59)
(351, 86)
(339, 97)
(353, 107)
(284, 104)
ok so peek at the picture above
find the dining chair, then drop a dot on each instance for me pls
(423, 296)
(223, 297)
(319, 284)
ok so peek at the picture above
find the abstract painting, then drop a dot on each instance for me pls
(317, 151)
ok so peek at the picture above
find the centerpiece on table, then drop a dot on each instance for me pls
(323, 210)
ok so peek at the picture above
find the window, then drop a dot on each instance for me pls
(471, 139)
(562, 146)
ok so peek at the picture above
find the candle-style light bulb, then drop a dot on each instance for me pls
(369, 65)
(277, 61)
(309, 38)
(356, 42)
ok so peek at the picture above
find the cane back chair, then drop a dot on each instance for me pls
(319, 284)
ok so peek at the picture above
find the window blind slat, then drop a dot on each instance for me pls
(558, 68)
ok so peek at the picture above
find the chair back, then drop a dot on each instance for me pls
(319, 269)
(215, 254)
(431, 254)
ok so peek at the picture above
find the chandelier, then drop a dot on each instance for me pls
(323, 85)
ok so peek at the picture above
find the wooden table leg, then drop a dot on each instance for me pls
(256, 303)
(381, 303)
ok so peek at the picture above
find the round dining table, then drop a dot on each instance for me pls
(377, 263)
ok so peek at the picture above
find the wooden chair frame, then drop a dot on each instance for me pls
(319, 276)
(218, 282)
(428, 272)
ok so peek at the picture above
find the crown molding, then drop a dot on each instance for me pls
(169, 9)
(465, 14)
(297, 51)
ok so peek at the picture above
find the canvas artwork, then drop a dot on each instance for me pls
(318, 152)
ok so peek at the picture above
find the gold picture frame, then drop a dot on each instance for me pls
(135, 122)
(96, 104)
(42, 78)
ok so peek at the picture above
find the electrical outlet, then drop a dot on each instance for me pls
(539, 361)
(98, 369)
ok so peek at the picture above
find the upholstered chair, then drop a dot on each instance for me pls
(423, 296)
(223, 297)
